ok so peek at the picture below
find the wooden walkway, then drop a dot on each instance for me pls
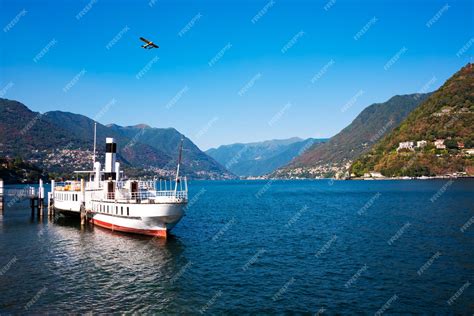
(35, 195)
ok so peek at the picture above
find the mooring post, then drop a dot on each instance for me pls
(1, 197)
(40, 198)
(83, 206)
(51, 199)
(32, 205)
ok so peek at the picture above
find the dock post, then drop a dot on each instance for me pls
(40, 198)
(83, 214)
(32, 205)
(2, 201)
(51, 199)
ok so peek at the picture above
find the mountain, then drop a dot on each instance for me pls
(260, 158)
(22, 131)
(335, 156)
(446, 117)
(167, 140)
(82, 127)
(60, 142)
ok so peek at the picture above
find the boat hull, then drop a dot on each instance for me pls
(158, 221)
(163, 233)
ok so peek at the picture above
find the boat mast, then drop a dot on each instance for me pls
(179, 163)
(95, 140)
(93, 155)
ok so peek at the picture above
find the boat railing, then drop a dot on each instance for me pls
(68, 186)
(146, 190)
(139, 195)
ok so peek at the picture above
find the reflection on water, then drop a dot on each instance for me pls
(79, 268)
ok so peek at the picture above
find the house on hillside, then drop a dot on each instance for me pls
(421, 143)
(460, 145)
(374, 174)
(439, 144)
(405, 145)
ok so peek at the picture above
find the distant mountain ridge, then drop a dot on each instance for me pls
(335, 156)
(437, 138)
(167, 140)
(260, 158)
(62, 141)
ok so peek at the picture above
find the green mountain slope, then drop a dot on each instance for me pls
(82, 127)
(260, 158)
(369, 126)
(60, 142)
(23, 131)
(447, 115)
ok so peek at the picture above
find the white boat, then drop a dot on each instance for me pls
(109, 200)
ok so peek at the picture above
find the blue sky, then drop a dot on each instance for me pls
(241, 71)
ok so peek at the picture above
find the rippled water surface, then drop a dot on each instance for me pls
(258, 247)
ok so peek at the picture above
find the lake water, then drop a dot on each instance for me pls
(257, 247)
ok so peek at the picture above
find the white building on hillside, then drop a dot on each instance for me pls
(405, 145)
(421, 143)
(439, 143)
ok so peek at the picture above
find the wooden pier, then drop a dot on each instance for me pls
(35, 195)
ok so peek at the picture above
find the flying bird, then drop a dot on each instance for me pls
(149, 44)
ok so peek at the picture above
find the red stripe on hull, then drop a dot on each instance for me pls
(149, 232)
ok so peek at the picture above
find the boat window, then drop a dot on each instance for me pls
(116, 210)
(121, 210)
(128, 211)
